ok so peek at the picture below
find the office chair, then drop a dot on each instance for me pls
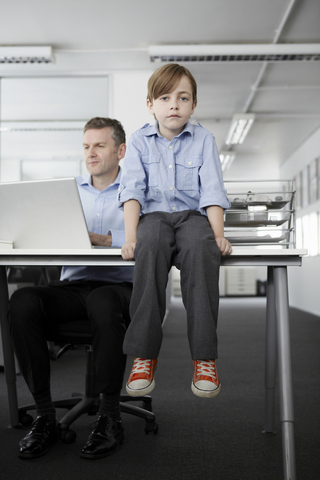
(78, 333)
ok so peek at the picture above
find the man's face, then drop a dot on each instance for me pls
(173, 109)
(100, 152)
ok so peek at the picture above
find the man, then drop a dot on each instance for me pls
(98, 294)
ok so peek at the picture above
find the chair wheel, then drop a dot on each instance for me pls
(151, 427)
(26, 419)
(68, 436)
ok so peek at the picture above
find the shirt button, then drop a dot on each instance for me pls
(170, 146)
(174, 208)
(98, 214)
(171, 188)
(170, 166)
(189, 163)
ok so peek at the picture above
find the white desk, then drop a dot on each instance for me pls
(277, 324)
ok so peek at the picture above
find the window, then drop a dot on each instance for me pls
(308, 233)
(304, 187)
(313, 234)
(298, 191)
(42, 121)
(313, 181)
(299, 236)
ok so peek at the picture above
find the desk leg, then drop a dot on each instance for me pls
(8, 356)
(285, 374)
(270, 355)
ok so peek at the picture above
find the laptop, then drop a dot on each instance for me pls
(45, 214)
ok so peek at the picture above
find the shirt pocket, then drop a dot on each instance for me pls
(151, 167)
(187, 172)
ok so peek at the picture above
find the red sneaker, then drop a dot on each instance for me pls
(141, 381)
(205, 382)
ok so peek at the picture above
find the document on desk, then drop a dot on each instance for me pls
(45, 214)
(4, 245)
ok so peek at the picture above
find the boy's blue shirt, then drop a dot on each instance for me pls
(171, 176)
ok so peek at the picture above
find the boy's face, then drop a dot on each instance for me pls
(173, 109)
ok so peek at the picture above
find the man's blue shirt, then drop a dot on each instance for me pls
(103, 217)
(171, 176)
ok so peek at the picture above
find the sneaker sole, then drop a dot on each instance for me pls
(141, 391)
(205, 393)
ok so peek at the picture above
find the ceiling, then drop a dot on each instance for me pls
(101, 37)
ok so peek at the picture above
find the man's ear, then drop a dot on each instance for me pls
(122, 151)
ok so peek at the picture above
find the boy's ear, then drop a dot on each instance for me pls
(150, 107)
(193, 107)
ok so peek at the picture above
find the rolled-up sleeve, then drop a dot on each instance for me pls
(133, 179)
(212, 191)
(118, 237)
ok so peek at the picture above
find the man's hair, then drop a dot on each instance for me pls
(117, 131)
(166, 78)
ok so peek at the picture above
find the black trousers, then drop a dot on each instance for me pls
(106, 306)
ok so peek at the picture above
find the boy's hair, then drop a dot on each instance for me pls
(166, 78)
(117, 130)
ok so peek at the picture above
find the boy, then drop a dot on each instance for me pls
(174, 199)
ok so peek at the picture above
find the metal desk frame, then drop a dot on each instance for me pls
(277, 324)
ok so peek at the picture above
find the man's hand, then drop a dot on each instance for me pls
(224, 246)
(100, 240)
(127, 250)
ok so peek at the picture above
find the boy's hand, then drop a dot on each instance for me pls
(127, 251)
(224, 246)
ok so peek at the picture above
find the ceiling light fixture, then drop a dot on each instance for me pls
(266, 52)
(226, 158)
(240, 126)
(13, 55)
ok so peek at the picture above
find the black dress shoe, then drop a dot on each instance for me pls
(105, 438)
(43, 433)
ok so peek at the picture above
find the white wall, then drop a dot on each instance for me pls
(128, 96)
(304, 282)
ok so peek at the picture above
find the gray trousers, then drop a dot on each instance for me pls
(185, 240)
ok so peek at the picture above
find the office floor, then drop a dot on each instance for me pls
(201, 439)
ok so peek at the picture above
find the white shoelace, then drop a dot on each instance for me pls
(141, 365)
(207, 367)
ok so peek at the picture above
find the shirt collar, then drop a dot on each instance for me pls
(149, 130)
(87, 180)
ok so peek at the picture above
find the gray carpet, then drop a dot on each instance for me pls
(198, 438)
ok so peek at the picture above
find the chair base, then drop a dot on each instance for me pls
(89, 403)
(79, 405)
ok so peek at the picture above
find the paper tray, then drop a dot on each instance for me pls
(256, 239)
(255, 219)
(271, 205)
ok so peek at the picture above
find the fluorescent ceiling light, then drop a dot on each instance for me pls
(226, 158)
(235, 53)
(26, 55)
(240, 126)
